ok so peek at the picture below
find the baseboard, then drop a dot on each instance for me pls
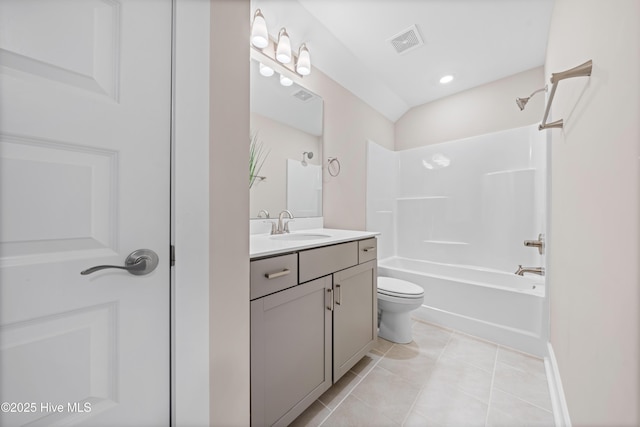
(558, 401)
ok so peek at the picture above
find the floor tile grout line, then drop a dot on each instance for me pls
(413, 404)
(493, 377)
(361, 378)
(524, 400)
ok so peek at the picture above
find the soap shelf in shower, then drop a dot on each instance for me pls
(404, 199)
(444, 242)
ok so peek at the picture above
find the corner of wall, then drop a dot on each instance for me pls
(229, 213)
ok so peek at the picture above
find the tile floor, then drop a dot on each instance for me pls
(442, 378)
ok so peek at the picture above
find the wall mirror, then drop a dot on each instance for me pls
(286, 130)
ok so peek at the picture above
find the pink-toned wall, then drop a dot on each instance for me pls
(348, 124)
(593, 248)
(228, 213)
(477, 111)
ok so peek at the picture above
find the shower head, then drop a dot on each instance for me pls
(523, 101)
(306, 155)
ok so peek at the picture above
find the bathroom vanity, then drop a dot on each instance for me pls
(313, 316)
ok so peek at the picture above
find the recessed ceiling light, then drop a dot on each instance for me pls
(446, 79)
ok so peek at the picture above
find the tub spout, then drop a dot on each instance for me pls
(535, 270)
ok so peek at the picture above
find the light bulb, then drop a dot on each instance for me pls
(283, 52)
(265, 70)
(259, 34)
(285, 81)
(303, 67)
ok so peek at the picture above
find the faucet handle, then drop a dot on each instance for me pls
(273, 226)
(286, 225)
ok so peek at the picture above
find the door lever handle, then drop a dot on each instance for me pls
(139, 263)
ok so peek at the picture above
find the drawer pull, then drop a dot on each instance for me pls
(369, 249)
(277, 274)
(331, 304)
(338, 295)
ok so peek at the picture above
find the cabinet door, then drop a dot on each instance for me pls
(290, 351)
(355, 315)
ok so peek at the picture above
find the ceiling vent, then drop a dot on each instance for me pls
(407, 40)
(303, 95)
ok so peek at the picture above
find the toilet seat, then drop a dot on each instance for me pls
(399, 288)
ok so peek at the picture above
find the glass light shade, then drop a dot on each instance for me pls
(285, 81)
(303, 67)
(265, 70)
(259, 34)
(283, 52)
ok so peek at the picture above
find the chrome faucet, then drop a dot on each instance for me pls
(535, 270)
(282, 228)
(263, 212)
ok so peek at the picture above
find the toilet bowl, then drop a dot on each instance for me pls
(396, 300)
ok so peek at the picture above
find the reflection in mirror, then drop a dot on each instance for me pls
(287, 121)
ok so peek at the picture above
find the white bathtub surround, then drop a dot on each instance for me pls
(462, 210)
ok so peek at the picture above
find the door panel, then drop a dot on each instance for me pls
(355, 315)
(84, 181)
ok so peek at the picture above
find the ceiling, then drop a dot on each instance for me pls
(476, 41)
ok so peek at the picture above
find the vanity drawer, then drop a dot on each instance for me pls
(367, 250)
(271, 275)
(326, 260)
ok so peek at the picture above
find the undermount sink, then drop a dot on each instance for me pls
(300, 236)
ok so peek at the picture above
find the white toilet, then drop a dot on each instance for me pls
(396, 300)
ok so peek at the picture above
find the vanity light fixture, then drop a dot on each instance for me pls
(278, 50)
(259, 34)
(446, 79)
(266, 70)
(303, 66)
(285, 81)
(283, 51)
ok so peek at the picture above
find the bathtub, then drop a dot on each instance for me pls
(498, 306)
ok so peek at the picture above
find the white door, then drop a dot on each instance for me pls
(85, 102)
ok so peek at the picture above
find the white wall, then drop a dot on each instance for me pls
(229, 211)
(594, 254)
(484, 109)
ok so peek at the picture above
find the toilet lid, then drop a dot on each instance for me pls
(396, 287)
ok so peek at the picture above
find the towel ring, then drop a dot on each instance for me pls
(334, 166)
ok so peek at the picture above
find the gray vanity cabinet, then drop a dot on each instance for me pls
(353, 269)
(354, 316)
(290, 352)
(313, 316)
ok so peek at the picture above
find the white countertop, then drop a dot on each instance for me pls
(265, 244)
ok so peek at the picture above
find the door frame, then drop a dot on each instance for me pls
(190, 214)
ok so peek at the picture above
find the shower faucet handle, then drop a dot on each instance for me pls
(536, 243)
